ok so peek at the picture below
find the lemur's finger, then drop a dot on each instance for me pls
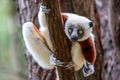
(69, 65)
(45, 9)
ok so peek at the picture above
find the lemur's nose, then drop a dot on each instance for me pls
(74, 38)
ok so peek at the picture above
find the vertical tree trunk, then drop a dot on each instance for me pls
(59, 40)
(114, 27)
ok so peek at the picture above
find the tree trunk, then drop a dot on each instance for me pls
(61, 43)
(114, 28)
(114, 25)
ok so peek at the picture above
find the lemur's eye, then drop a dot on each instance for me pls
(80, 31)
(70, 30)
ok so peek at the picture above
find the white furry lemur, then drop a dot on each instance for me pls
(77, 28)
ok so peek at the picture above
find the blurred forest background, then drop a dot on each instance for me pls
(13, 65)
(12, 58)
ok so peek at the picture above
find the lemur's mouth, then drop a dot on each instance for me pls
(74, 38)
(77, 38)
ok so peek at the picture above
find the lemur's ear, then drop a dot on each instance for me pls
(91, 24)
(64, 18)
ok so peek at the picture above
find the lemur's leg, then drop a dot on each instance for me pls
(36, 45)
(88, 69)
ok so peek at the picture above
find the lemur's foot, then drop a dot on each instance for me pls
(44, 9)
(55, 62)
(88, 69)
(70, 65)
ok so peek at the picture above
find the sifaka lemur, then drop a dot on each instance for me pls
(77, 28)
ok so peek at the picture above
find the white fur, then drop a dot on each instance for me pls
(36, 46)
(77, 56)
(57, 75)
(44, 28)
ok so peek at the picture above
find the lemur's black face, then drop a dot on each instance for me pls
(75, 32)
(78, 28)
(79, 32)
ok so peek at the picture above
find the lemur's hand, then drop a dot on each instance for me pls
(57, 62)
(44, 9)
(88, 69)
(54, 61)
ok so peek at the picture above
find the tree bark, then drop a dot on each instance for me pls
(114, 23)
(61, 43)
(114, 28)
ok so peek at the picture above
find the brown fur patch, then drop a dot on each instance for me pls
(88, 49)
(38, 33)
(64, 18)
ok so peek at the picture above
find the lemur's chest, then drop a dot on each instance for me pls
(77, 55)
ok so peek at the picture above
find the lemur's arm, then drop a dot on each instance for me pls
(36, 45)
(42, 18)
(43, 25)
(89, 53)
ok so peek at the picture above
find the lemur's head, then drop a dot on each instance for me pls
(77, 28)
